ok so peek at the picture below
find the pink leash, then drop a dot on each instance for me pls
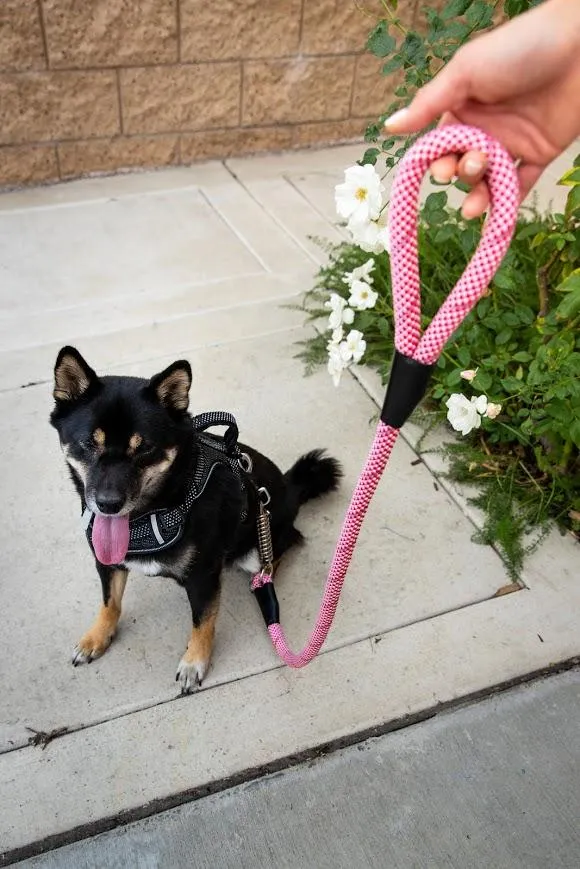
(415, 354)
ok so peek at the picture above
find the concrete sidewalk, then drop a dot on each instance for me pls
(496, 784)
(206, 263)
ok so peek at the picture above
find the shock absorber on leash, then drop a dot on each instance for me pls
(415, 353)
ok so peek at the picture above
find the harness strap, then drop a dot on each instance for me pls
(416, 353)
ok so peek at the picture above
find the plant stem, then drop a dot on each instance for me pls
(543, 283)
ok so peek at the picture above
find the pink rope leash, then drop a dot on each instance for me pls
(415, 354)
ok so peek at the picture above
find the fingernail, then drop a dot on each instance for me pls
(439, 179)
(473, 166)
(397, 118)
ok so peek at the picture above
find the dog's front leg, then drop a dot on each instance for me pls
(98, 638)
(203, 592)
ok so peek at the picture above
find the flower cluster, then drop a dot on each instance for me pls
(465, 414)
(359, 200)
(344, 349)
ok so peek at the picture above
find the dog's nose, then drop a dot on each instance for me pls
(109, 501)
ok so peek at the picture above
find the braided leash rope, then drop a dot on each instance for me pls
(415, 353)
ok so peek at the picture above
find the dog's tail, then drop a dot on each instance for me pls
(312, 475)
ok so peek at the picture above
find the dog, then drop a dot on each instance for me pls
(161, 495)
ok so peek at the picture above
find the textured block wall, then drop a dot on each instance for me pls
(103, 85)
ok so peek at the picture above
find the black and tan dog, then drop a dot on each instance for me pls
(161, 496)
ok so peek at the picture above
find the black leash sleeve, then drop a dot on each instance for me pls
(407, 386)
(268, 603)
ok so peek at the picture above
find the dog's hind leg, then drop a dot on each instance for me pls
(98, 638)
(204, 600)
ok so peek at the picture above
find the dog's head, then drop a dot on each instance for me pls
(120, 435)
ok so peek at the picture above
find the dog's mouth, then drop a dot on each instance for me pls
(110, 538)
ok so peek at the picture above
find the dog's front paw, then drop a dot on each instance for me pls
(92, 645)
(190, 674)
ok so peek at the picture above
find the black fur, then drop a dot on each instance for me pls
(90, 409)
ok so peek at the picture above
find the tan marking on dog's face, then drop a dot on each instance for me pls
(135, 442)
(99, 437)
(98, 638)
(76, 464)
(153, 474)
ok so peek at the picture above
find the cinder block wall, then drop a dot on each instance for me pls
(103, 85)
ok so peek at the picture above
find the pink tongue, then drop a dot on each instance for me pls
(110, 538)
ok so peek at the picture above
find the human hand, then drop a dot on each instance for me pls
(520, 83)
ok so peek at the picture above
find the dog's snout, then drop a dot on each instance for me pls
(109, 501)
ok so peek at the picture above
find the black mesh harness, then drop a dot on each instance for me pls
(158, 530)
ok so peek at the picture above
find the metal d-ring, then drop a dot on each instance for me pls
(245, 463)
(264, 496)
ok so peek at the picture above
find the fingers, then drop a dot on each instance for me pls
(527, 176)
(476, 202)
(444, 169)
(472, 168)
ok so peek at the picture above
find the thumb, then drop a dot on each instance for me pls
(446, 92)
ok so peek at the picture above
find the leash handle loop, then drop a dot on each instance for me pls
(502, 180)
(203, 421)
(415, 354)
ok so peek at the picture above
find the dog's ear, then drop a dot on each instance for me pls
(73, 377)
(171, 387)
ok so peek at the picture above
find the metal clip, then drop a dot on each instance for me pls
(265, 547)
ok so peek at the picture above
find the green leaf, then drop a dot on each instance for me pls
(571, 177)
(569, 306)
(529, 229)
(380, 42)
(413, 51)
(393, 64)
(572, 282)
(504, 280)
(515, 7)
(537, 241)
(479, 15)
(454, 378)
(575, 432)
(464, 356)
(522, 356)
(369, 157)
(455, 8)
(456, 30)
(559, 410)
(503, 336)
(511, 384)
(482, 380)
(436, 201)
(573, 201)
(388, 143)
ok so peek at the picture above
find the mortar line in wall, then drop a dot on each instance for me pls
(301, 27)
(352, 87)
(178, 26)
(118, 80)
(57, 158)
(287, 125)
(43, 32)
(242, 85)
(197, 63)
